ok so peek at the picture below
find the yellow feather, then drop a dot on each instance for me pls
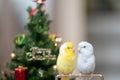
(66, 61)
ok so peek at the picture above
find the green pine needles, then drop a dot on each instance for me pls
(38, 36)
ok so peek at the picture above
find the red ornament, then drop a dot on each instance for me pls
(21, 73)
(43, 0)
(33, 12)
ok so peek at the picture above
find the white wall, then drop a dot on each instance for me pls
(104, 33)
(71, 20)
(9, 26)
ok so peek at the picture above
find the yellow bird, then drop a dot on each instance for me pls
(66, 61)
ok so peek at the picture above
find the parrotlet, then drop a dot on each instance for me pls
(85, 58)
(66, 61)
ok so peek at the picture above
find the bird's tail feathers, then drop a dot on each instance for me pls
(65, 79)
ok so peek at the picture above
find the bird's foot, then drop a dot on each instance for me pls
(70, 75)
(80, 76)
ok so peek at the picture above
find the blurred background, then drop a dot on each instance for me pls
(97, 21)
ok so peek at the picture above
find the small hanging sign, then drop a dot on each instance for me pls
(40, 54)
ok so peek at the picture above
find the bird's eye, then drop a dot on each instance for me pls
(84, 46)
(68, 47)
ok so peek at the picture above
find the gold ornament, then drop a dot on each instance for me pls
(54, 67)
(13, 56)
(22, 67)
(55, 38)
(52, 37)
(58, 40)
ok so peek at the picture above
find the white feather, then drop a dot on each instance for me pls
(85, 58)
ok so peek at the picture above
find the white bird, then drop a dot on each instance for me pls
(85, 58)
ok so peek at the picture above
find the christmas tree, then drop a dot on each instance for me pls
(38, 49)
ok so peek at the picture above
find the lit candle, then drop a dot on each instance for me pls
(21, 73)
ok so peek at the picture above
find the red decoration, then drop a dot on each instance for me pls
(21, 73)
(33, 12)
(43, 0)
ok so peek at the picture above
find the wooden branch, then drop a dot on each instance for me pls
(100, 76)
